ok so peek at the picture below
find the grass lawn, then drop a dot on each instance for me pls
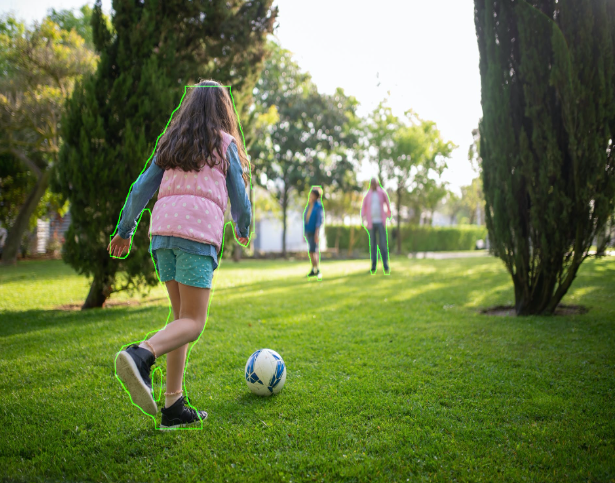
(390, 379)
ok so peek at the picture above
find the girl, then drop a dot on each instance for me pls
(311, 227)
(199, 163)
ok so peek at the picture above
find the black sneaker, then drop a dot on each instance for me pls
(180, 415)
(133, 366)
(312, 273)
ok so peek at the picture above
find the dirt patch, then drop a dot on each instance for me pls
(509, 310)
(111, 303)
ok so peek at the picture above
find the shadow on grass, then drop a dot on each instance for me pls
(454, 283)
(20, 322)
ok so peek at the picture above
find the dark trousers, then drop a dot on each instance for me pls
(378, 239)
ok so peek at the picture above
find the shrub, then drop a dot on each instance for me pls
(414, 238)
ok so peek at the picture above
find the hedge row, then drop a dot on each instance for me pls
(414, 238)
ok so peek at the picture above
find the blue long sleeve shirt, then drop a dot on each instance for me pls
(315, 220)
(148, 183)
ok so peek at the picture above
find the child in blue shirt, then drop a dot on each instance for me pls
(312, 222)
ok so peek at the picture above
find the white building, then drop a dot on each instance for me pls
(268, 233)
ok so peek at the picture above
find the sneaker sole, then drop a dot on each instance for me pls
(139, 392)
(184, 425)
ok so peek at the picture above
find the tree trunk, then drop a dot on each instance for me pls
(236, 252)
(603, 238)
(398, 221)
(351, 241)
(284, 207)
(13, 239)
(100, 289)
(337, 238)
(546, 294)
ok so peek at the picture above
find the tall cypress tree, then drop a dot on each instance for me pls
(115, 116)
(548, 94)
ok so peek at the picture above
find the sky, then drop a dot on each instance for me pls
(424, 53)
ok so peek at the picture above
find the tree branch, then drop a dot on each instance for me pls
(31, 165)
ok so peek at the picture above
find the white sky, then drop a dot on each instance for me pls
(424, 53)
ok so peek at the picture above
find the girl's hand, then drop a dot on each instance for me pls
(241, 239)
(118, 246)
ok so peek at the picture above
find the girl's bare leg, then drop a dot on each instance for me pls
(189, 325)
(190, 311)
(176, 363)
(176, 359)
(314, 258)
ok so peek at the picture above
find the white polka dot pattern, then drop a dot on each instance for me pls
(197, 199)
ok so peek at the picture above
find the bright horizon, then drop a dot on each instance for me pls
(424, 53)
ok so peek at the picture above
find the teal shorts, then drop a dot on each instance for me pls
(185, 268)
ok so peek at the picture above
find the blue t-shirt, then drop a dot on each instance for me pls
(148, 183)
(315, 218)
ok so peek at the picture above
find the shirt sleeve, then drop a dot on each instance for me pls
(319, 216)
(388, 204)
(241, 210)
(141, 192)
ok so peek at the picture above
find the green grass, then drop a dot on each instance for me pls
(390, 379)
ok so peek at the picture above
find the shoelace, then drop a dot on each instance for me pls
(192, 411)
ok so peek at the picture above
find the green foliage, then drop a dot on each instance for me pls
(341, 202)
(15, 183)
(389, 379)
(414, 238)
(310, 142)
(451, 205)
(81, 24)
(474, 151)
(410, 155)
(115, 116)
(42, 65)
(472, 199)
(39, 67)
(546, 138)
(380, 128)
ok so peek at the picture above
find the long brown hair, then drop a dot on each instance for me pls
(195, 132)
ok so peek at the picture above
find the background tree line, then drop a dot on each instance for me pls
(84, 97)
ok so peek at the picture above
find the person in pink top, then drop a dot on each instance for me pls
(199, 164)
(375, 212)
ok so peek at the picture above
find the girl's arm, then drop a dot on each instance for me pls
(241, 210)
(141, 192)
(319, 219)
(388, 204)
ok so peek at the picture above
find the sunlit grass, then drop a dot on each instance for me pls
(390, 378)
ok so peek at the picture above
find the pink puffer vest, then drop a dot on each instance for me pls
(191, 204)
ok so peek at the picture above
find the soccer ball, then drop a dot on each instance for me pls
(265, 372)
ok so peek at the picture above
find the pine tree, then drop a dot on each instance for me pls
(115, 116)
(546, 137)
